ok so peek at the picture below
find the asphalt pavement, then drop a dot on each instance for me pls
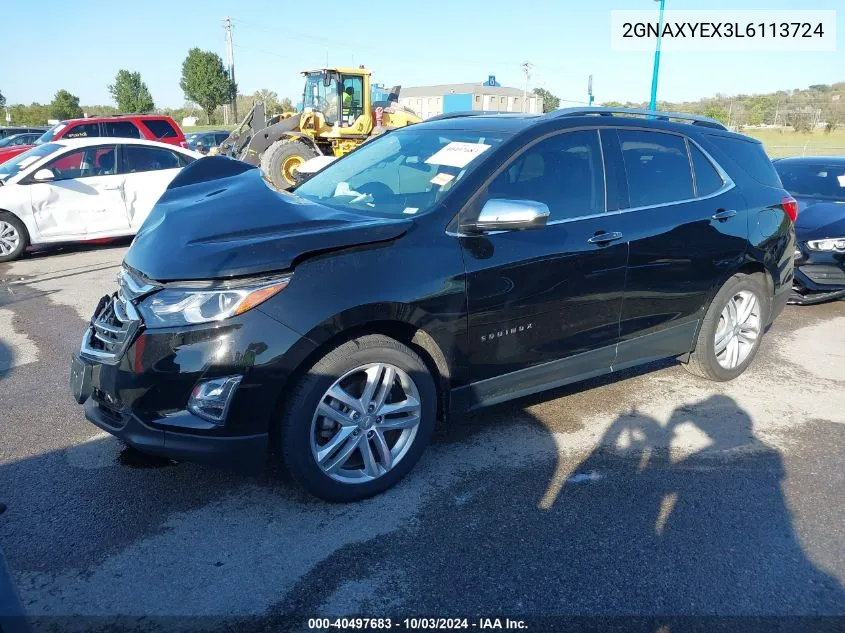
(648, 493)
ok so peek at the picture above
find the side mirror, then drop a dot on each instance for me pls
(509, 215)
(43, 175)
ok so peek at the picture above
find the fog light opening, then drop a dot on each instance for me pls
(210, 399)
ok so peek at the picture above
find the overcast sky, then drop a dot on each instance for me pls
(80, 47)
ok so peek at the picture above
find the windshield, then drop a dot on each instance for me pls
(321, 98)
(813, 181)
(405, 172)
(12, 140)
(50, 134)
(13, 166)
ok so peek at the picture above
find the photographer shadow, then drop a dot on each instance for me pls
(687, 517)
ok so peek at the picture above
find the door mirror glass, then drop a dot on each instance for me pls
(43, 175)
(509, 215)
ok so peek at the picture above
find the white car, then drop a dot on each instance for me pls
(83, 189)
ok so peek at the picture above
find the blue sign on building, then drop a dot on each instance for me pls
(491, 81)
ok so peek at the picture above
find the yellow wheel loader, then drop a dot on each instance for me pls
(338, 114)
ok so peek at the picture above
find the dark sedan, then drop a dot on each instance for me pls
(25, 138)
(818, 184)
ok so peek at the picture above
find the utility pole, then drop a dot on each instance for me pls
(526, 68)
(227, 27)
(590, 89)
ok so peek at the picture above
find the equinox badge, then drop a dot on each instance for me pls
(517, 329)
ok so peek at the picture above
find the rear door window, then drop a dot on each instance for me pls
(707, 179)
(160, 128)
(140, 158)
(121, 129)
(82, 130)
(657, 166)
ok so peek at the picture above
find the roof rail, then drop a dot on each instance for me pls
(466, 113)
(653, 114)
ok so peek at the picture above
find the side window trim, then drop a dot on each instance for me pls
(727, 185)
(727, 181)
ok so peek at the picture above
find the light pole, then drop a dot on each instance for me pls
(652, 105)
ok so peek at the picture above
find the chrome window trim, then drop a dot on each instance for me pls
(727, 181)
(727, 187)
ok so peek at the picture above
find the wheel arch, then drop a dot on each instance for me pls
(749, 267)
(385, 319)
(26, 225)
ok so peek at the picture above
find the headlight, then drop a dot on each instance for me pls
(186, 306)
(833, 244)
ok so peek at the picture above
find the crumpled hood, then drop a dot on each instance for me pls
(818, 219)
(220, 219)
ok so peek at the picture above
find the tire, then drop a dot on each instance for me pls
(281, 158)
(302, 429)
(704, 360)
(14, 238)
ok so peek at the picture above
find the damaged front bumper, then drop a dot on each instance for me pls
(809, 285)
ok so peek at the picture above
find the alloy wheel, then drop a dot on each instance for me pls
(10, 239)
(365, 423)
(738, 329)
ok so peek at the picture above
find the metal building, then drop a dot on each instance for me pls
(428, 101)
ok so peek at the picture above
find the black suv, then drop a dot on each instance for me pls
(440, 268)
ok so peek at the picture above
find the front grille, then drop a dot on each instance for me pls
(116, 320)
(824, 274)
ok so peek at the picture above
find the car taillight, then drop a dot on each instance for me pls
(790, 206)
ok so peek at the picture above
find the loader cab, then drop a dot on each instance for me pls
(342, 96)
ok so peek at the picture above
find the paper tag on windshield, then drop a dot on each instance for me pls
(410, 210)
(841, 180)
(457, 154)
(442, 179)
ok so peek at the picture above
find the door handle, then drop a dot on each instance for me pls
(605, 238)
(724, 214)
(110, 187)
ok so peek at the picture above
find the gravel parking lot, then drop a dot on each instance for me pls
(645, 493)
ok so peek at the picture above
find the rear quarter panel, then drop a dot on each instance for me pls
(771, 235)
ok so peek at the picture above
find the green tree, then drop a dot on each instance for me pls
(612, 104)
(205, 81)
(65, 106)
(2, 100)
(33, 114)
(550, 101)
(130, 93)
(286, 105)
(270, 99)
(717, 112)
